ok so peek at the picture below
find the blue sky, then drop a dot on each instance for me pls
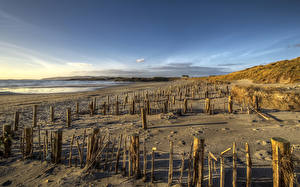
(144, 37)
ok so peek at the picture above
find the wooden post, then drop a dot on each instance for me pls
(70, 154)
(68, 118)
(51, 114)
(145, 161)
(28, 134)
(77, 108)
(196, 152)
(34, 115)
(144, 118)
(249, 165)
(282, 163)
(104, 108)
(165, 107)
(16, 122)
(135, 155)
(201, 163)
(234, 160)
(7, 140)
(83, 145)
(148, 107)
(222, 171)
(57, 146)
(132, 109)
(189, 179)
(79, 152)
(118, 154)
(185, 106)
(95, 104)
(124, 158)
(170, 176)
(210, 183)
(91, 107)
(256, 102)
(207, 105)
(230, 104)
(152, 165)
(117, 106)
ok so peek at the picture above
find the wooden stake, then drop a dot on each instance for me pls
(185, 106)
(152, 165)
(144, 118)
(51, 114)
(16, 122)
(230, 103)
(57, 146)
(249, 165)
(28, 134)
(34, 115)
(7, 140)
(170, 177)
(145, 161)
(124, 157)
(181, 170)
(68, 118)
(234, 160)
(79, 152)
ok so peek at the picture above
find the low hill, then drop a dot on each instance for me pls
(285, 71)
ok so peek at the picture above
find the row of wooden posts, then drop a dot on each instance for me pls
(100, 146)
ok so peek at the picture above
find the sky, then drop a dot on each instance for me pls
(52, 38)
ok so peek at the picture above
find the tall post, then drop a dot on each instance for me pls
(144, 118)
(230, 103)
(207, 105)
(117, 106)
(185, 106)
(7, 140)
(27, 135)
(249, 165)
(16, 122)
(68, 117)
(34, 115)
(170, 176)
(234, 160)
(57, 146)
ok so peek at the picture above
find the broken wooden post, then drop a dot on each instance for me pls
(283, 169)
(57, 146)
(68, 117)
(16, 122)
(170, 176)
(7, 140)
(249, 165)
(234, 161)
(28, 134)
(144, 118)
(230, 103)
(34, 115)
(51, 114)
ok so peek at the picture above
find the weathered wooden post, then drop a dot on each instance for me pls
(230, 104)
(34, 115)
(207, 106)
(104, 108)
(283, 169)
(7, 140)
(222, 168)
(165, 107)
(57, 146)
(170, 176)
(201, 163)
(117, 106)
(135, 155)
(51, 114)
(209, 164)
(95, 104)
(152, 165)
(145, 161)
(16, 122)
(249, 165)
(28, 140)
(77, 108)
(144, 118)
(124, 157)
(91, 108)
(132, 108)
(185, 104)
(181, 169)
(256, 102)
(234, 160)
(68, 117)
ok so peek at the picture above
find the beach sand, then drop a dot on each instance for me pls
(219, 131)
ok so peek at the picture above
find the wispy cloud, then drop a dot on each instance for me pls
(140, 60)
(79, 64)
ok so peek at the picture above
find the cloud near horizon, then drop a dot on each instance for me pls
(168, 70)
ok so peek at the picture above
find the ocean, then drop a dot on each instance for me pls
(52, 86)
